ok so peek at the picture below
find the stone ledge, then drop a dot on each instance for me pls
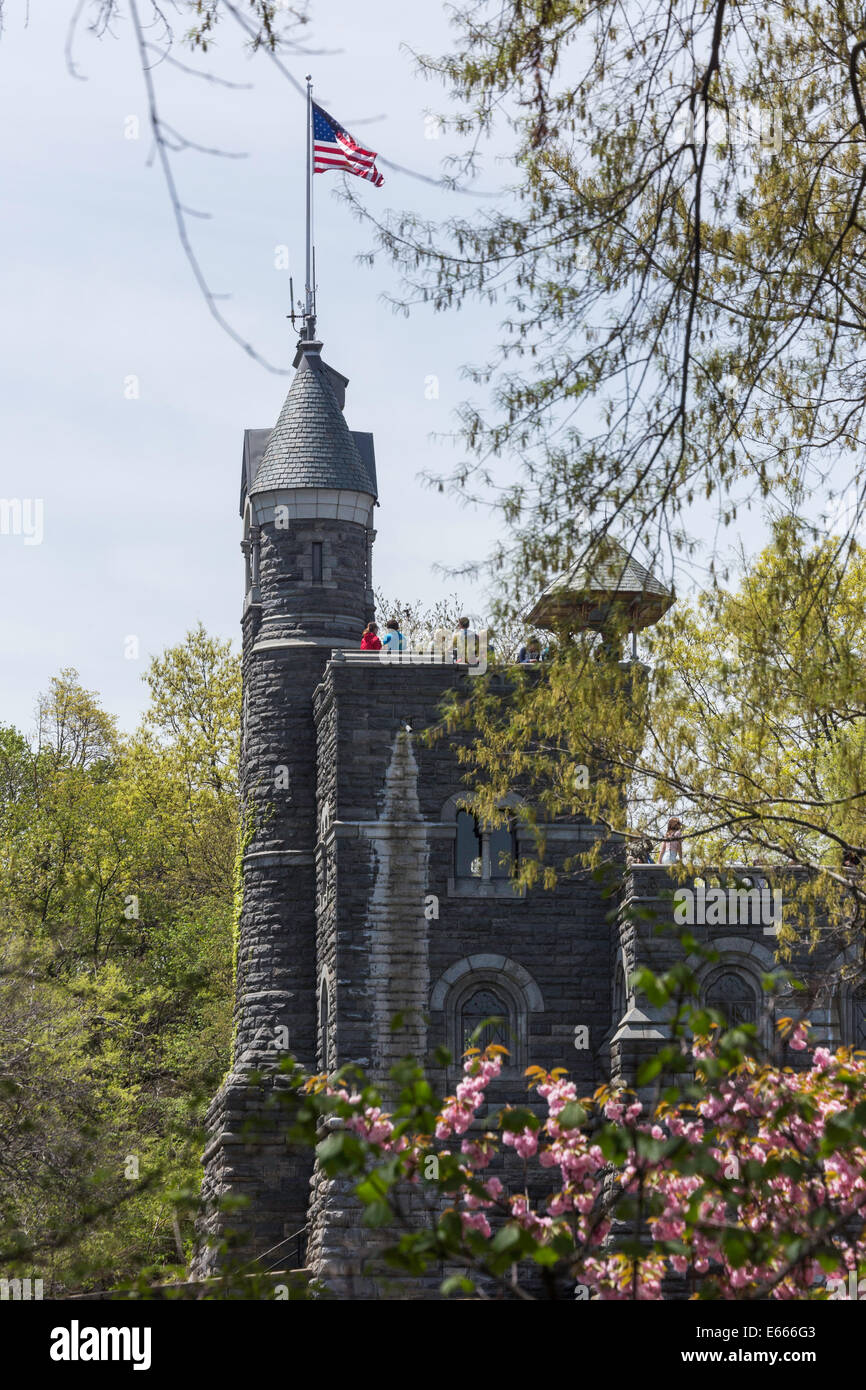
(261, 858)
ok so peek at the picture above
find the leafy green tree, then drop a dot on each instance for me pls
(750, 724)
(116, 927)
(679, 265)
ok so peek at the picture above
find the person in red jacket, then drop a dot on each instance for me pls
(370, 641)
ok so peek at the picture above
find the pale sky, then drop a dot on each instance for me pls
(140, 496)
(124, 404)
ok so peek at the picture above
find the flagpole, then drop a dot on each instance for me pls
(309, 303)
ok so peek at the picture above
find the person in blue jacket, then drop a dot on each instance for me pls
(392, 637)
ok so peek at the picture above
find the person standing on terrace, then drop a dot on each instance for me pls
(393, 639)
(672, 845)
(465, 643)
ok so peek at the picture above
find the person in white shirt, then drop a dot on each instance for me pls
(465, 643)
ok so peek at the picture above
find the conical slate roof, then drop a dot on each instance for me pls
(311, 445)
(588, 595)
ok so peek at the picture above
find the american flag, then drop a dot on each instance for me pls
(334, 148)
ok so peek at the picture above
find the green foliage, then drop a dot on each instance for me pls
(117, 875)
(677, 260)
(728, 1170)
(750, 726)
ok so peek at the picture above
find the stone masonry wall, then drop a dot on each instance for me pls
(744, 948)
(400, 935)
(288, 637)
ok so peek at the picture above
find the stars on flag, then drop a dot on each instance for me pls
(335, 148)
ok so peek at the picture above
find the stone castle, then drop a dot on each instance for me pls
(367, 891)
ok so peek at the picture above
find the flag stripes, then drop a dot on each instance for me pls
(335, 148)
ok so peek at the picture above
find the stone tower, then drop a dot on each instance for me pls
(308, 490)
(370, 891)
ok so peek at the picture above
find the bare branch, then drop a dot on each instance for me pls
(180, 222)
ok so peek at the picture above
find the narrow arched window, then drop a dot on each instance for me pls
(734, 996)
(503, 850)
(483, 851)
(324, 1025)
(857, 1019)
(485, 1007)
(467, 847)
(488, 1002)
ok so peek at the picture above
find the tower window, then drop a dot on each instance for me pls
(317, 562)
(734, 997)
(481, 853)
(325, 1026)
(498, 1000)
(487, 1008)
(468, 861)
(324, 867)
(485, 1005)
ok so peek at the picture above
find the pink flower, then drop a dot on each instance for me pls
(525, 1143)
(799, 1038)
(560, 1204)
(476, 1221)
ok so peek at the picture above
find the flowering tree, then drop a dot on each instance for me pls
(746, 1180)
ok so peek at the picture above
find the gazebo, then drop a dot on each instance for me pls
(612, 593)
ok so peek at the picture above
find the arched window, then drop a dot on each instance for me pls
(484, 853)
(325, 1025)
(734, 996)
(470, 992)
(485, 1006)
(251, 547)
(468, 861)
(857, 1019)
(503, 850)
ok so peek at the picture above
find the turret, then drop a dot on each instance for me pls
(308, 490)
